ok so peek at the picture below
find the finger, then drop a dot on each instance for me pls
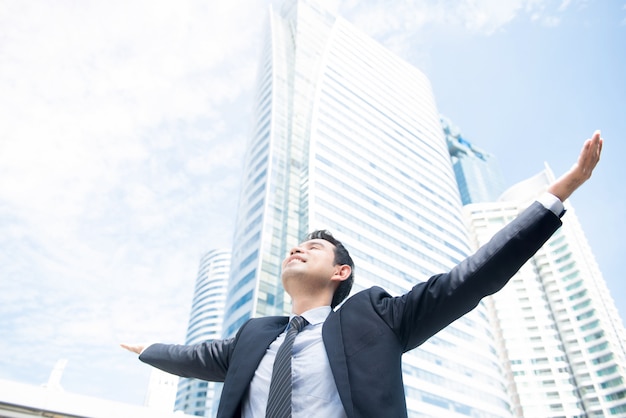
(586, 160)
(129, 347)
(597, 142)
(596, 135)
(600, 147)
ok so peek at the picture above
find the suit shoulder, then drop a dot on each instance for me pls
(365, 296)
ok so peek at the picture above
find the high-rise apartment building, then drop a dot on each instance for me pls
(347, 137)
(196, 397)
(477, 172)
(560, 338)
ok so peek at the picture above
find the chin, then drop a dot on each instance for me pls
(291, 274)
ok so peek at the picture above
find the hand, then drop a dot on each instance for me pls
(580, 172)
(135, 348)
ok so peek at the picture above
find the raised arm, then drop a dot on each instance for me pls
(580, 172)
(432, 305)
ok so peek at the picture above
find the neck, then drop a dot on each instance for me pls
(300, 305)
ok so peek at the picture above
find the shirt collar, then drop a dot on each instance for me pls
(316, 315)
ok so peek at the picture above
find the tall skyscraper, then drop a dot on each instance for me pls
(347, 137)
(560, 338)
(196, 397)
(477, 171)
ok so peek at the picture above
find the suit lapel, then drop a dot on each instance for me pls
(333, 341)
(254, 341)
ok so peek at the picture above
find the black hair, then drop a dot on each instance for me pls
(342, 256)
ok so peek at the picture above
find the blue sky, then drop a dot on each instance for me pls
(122, 131)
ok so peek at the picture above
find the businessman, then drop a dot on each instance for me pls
(346, 361)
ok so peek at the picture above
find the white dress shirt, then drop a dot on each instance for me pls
(313, 387)
(553, 203)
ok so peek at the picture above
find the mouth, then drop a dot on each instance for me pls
(295, 260)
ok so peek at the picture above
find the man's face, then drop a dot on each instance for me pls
(311, 260)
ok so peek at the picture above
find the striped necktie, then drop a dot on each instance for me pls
(279, 400)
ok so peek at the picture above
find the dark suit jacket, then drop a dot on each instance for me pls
(366, 337)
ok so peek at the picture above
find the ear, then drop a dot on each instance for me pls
(342, 272)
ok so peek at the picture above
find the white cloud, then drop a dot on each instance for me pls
(390, 21)
(119, 162)
(484, 16)
(564, 5)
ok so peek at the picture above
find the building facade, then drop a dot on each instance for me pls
(560, 338)
(347, 137)
(161, 393)
(197, 397)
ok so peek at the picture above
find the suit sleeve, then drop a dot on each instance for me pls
(206, 361)
(432, 305)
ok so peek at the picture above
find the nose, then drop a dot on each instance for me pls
(295, 250)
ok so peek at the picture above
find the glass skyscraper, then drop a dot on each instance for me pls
(477, 172)
(196, 397)
(347, 137)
